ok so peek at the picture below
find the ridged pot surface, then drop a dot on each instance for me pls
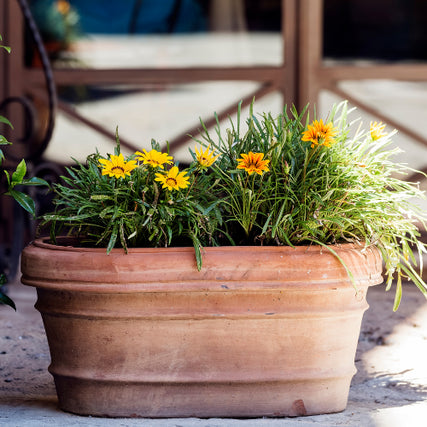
(259, 331)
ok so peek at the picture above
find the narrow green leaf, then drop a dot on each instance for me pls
(35, 181)
(113, 238)
(7, 177)
(54, 217)
(4, 47)
(4, 299)
(169, 233)
(279, 220)
(198, 254)
(349, 272)
(4, 141)
(5, 121)
(398, 294)
(19, 173)
(117, 148)
(267, 222)
(24, 200)
(100, 197)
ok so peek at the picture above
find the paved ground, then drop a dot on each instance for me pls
(390, 388)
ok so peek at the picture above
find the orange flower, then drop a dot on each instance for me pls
(253, 162)
(63, 7)
(319, 133)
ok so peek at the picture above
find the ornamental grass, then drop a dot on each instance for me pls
(281, 180)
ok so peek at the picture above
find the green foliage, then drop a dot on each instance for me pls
(3, 140)
(133, 211)
(320, 183)
(17, 179)
(24, 200)
(18, 176)
(348, 192)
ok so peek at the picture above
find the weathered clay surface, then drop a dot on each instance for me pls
(265, 333)
(389, 387)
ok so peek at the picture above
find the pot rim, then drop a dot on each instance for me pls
(46, 265)
(68, 244)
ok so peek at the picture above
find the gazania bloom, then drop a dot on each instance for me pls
(117, 166)
(319, 133)
(154, 158)
(253, 162)
(377, 130)
(173, 180)
(205, 158)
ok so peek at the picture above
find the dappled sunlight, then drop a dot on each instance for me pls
(392, 373)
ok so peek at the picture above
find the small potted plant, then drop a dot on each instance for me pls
(59, 25)
(233, 287)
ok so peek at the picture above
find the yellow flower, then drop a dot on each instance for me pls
(377, 130)
(154, 158)
(205, 158)
(319, 133)
(173, 180)
(252, 162)
(117, 166)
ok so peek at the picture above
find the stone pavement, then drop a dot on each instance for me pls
(389, 389)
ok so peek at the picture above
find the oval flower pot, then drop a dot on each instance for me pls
(259, 331)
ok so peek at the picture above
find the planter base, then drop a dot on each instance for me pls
(202, 400)
(258, 332)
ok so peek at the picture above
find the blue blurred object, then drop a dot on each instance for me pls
(140, 16)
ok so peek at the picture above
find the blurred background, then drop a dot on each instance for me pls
(80, 68)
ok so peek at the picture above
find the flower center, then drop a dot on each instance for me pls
(321, 135)
(117, 169)
(172, 182)
(204, 161)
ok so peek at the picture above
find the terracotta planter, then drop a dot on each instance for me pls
(260, 331)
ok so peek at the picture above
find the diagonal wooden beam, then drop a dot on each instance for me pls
(182, 139)
(373, 111)
(73, 113)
